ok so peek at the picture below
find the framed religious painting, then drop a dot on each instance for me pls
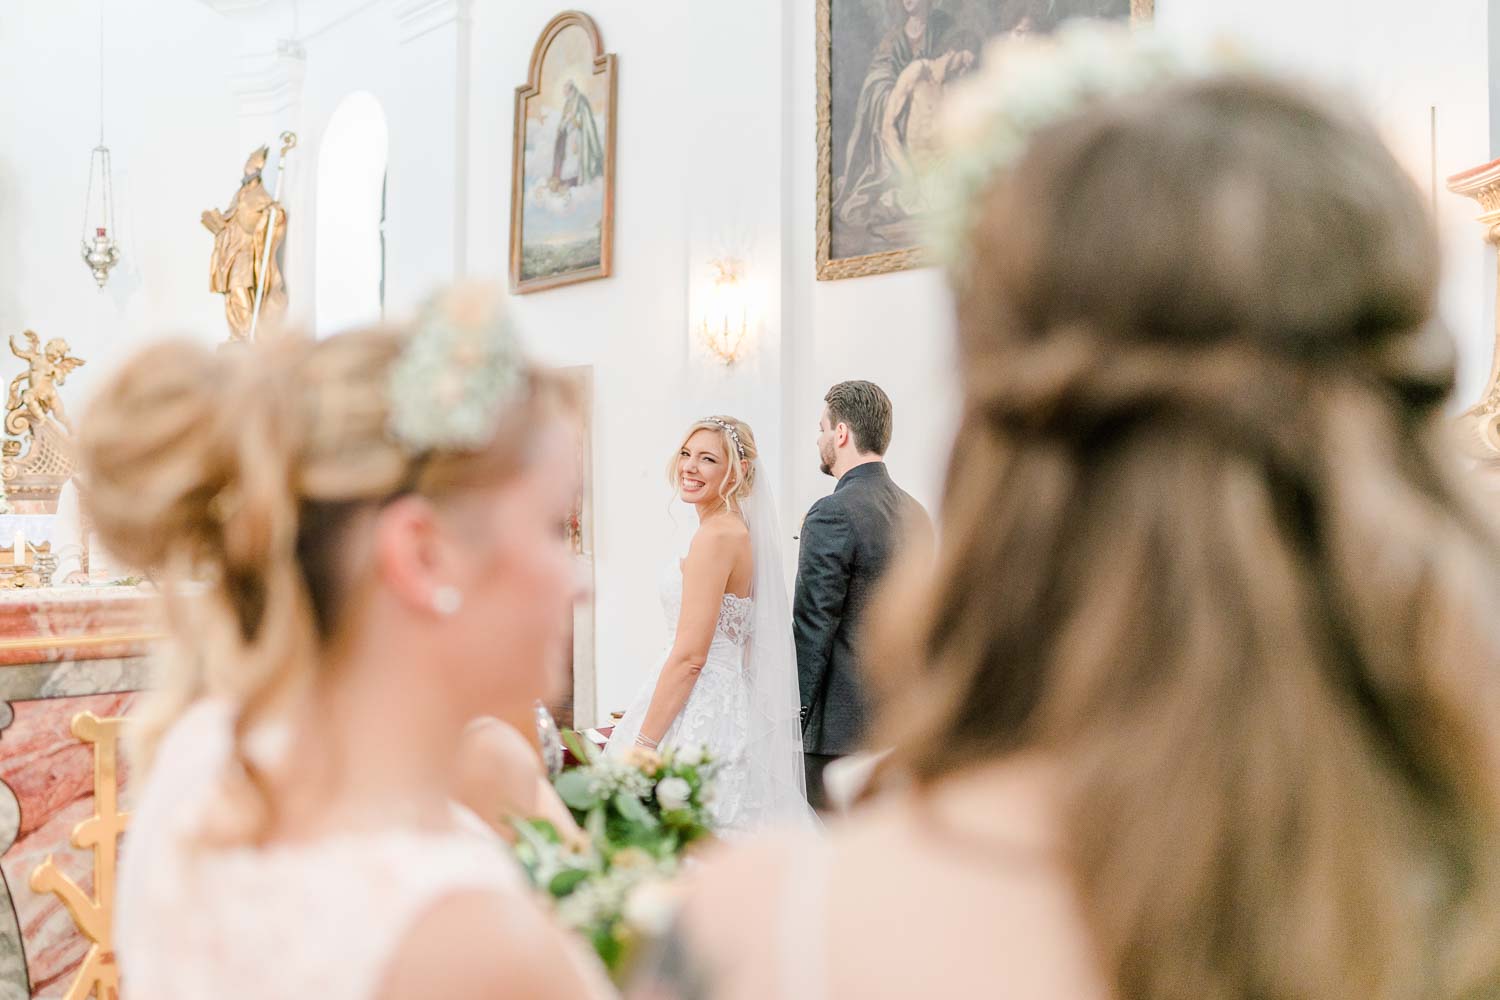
(562, 202)
(883, 67)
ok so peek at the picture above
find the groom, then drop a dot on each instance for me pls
(848, 539)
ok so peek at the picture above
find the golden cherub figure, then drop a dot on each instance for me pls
(33, 393)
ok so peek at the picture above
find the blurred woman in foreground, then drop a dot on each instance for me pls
(1203, 700)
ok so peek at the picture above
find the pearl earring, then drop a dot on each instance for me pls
(446, 601)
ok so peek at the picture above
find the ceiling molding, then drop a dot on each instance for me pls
(230, 8)
(415, 18)
(270, 83)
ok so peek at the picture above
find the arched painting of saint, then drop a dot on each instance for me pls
(889, 63)
(562, 198)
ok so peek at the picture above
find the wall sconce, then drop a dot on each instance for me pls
(726, 325)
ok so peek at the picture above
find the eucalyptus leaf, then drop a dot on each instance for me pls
(608, 947)
(573, 788)
(633, 810)
(583, 750)
(565, 882)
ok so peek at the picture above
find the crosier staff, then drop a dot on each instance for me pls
(288, 142)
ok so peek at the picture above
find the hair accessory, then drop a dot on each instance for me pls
(455, 375)
(1023, 86)
(734, 435)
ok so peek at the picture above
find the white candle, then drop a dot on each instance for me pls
(19, 549)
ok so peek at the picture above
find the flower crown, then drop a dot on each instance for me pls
(1025, 85)
(734, 435)
(454, 377)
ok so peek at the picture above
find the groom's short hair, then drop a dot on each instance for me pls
(866, 409)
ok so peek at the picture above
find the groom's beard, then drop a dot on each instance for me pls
(825, 462)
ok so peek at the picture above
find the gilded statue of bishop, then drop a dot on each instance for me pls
(241, 269)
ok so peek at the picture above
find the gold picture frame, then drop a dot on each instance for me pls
(882, 262)
(570, 96)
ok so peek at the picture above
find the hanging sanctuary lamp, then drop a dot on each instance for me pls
(100, 250)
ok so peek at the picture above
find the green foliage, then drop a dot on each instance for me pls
(631, 842)
(573, 787)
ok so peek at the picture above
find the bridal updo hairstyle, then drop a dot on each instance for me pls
(738, 482)
(247, 470)
(1202, 547)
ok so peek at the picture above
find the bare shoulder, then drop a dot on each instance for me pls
(722, 538)
(725, 937)
(501, 743)
(497, 771)
(484, 945)
(733, 895)
(723, 528)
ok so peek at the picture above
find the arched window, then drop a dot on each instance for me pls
(351, 216)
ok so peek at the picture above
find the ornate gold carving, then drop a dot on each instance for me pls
(1481, 422)
(33, 393)
(1141, 11)
(35, 413)
(98, 976)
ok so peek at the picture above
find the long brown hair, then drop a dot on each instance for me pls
(245, 470)
(1202, 546)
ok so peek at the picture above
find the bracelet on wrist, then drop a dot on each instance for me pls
(642, 740)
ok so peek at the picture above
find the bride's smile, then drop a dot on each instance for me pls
(702, 465)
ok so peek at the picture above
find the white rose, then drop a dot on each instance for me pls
(650, 907)
(673, 793)
(690, 757)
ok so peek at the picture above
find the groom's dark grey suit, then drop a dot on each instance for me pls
(847, 542)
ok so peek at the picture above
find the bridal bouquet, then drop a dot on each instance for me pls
(640, 814)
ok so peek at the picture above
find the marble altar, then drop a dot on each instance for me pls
(63, 652)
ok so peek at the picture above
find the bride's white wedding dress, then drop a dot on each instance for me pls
(716, 717)
(744, 707)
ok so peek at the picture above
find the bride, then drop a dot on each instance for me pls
(729, 682)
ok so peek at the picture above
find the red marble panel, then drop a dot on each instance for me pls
(46, 626)
(52, 775)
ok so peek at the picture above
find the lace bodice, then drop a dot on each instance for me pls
(735, 613)
(725, 714)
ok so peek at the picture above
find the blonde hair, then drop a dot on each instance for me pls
(245, 469)
(739, 481)
(1203, 548)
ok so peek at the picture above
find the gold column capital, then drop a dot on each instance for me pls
(1483, 185)
(1481, 422)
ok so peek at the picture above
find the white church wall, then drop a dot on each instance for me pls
(715, 157)
(698, 175)
(1398, 66)
(170, 125)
